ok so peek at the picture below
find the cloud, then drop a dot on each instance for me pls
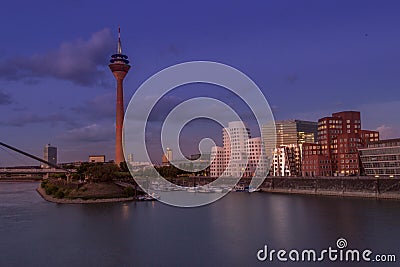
(30, 118)
(388, 132)
(20, 108)
(90, 133)
(5, 99)
(79, 61)
(100, 107)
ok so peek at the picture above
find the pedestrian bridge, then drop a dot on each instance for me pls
(32, 171)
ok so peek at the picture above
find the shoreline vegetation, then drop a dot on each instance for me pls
(50, 198)
(58, 191)
(90, 183)
(94, 183)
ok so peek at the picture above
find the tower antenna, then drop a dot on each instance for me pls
(119, 49)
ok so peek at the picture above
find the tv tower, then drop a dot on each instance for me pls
(119, 65)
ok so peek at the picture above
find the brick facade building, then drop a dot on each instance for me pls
(335, 153)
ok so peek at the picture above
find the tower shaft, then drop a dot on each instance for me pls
(119, 67)
(119, 119)
(119, 71)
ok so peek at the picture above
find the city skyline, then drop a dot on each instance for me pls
(59, 90)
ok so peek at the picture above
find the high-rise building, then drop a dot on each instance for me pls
(169, 154)
(235, 137)
(314, 162)
(289, 132)
(167, 157)
(164, 160)
(257, 163)
(286, 161)
(119, 65)
(217, 159)
(130, 158)
(292, 134)
(50, 155)
(381, 158)
(240, 155)
(339, 137)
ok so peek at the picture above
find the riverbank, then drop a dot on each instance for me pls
(49, 198)
(355, 187)
(334, 193)
(359, 187)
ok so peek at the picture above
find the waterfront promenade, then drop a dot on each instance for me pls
(355, 186)
(365, 187)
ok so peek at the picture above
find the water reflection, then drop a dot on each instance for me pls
(125, 211)
(227, 232)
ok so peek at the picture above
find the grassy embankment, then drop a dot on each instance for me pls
(89, 191)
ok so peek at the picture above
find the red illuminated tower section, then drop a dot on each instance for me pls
(119, 65)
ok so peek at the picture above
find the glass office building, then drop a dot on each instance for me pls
(381, 158)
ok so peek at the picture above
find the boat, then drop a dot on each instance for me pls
(204, 190)
(238, 188)
(152, 196)
(217, 190)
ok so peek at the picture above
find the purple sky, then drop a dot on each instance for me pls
(310, 58)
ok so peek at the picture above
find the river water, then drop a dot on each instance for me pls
(229, 232)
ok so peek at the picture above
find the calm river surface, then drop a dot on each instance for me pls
(229, 232)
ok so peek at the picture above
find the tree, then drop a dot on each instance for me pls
(82, 169)
(129, 191)
(170, 171)
(70, 166)
(123, 166)
(101, 172)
